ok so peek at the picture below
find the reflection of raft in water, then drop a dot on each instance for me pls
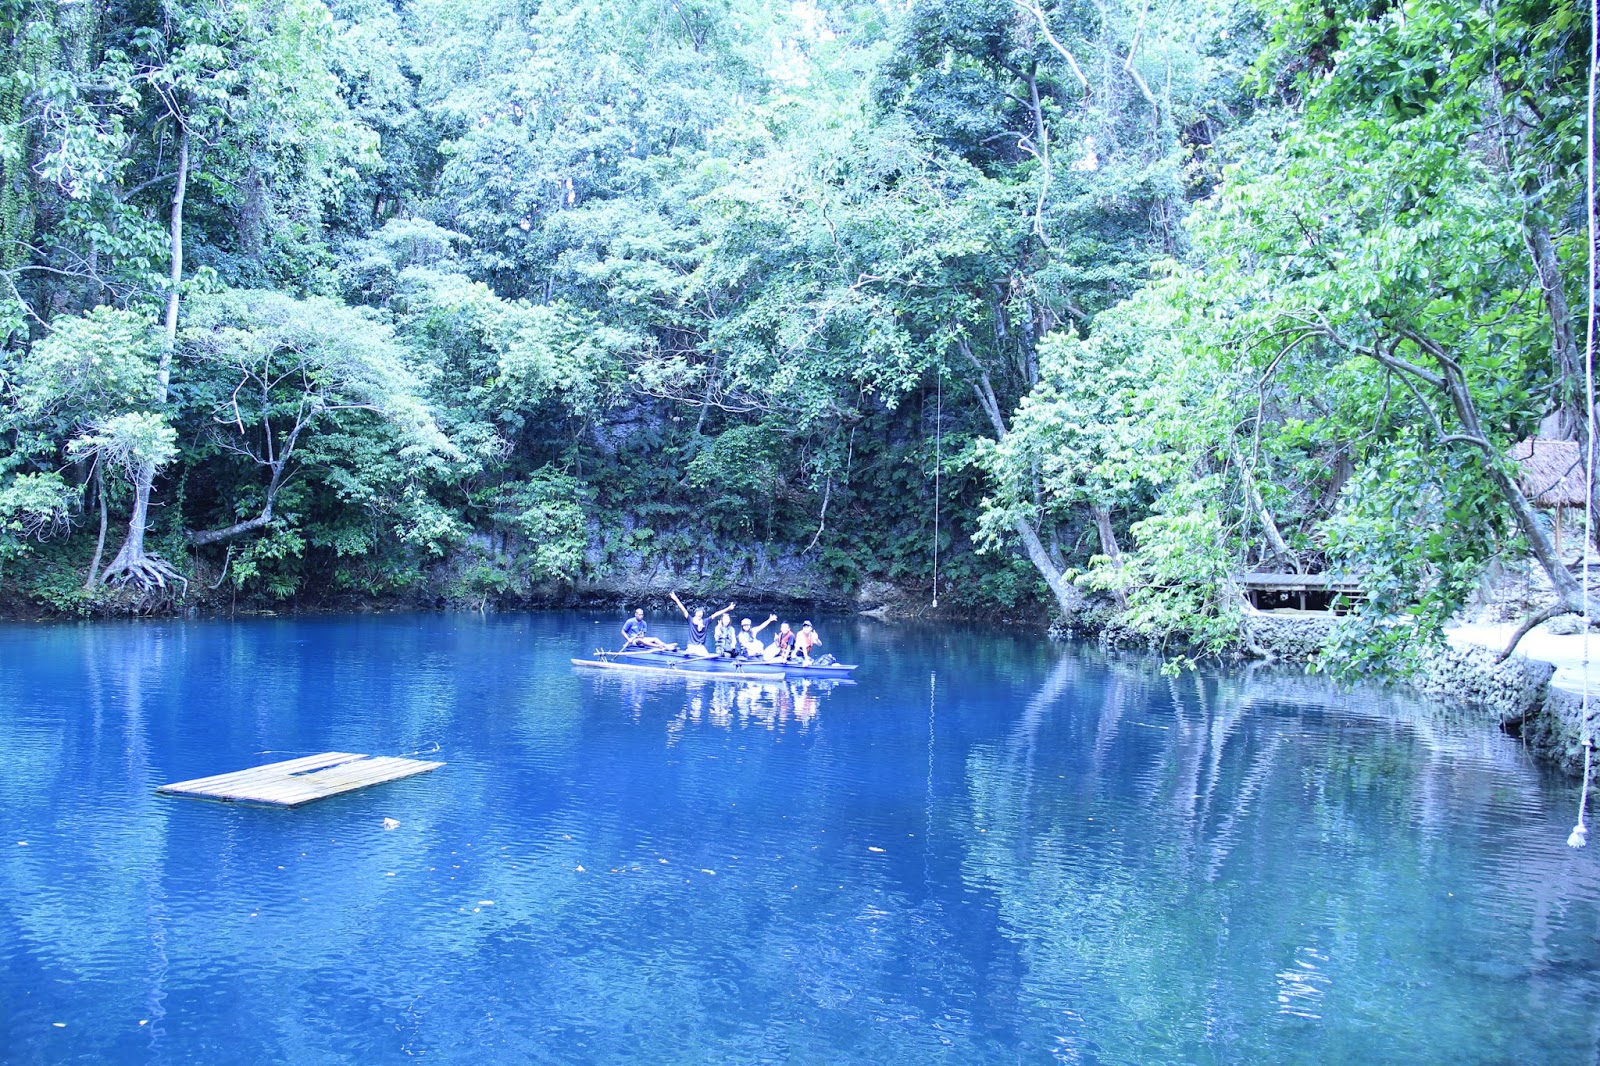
(685, 664)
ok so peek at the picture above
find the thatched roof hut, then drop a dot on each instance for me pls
(1551, 471)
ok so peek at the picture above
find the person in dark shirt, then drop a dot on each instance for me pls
(636, 634)
(699, 622)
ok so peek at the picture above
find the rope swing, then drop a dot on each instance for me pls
(1580, 832)
(938, 455)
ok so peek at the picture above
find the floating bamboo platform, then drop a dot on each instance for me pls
(297, 781)
(678, 671)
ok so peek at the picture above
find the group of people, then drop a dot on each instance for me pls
(788, 644)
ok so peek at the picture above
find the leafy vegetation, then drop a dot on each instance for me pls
(368, 297)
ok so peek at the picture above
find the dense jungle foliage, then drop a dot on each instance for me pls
(1104, 302)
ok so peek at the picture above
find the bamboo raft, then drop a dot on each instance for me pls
(294, 782)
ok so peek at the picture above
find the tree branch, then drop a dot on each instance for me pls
(1528, 625)
(1072, 62)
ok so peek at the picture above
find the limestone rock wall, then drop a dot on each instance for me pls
(1511, 691)
(1556, 733)
(1286, 638)
(1516, 694)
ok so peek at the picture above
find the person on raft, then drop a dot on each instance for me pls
(749, 643)
(805, 640)
(726, 637)
(782, 649)
(697, 624)
(636, 634)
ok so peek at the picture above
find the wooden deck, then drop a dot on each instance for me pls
(296, 781)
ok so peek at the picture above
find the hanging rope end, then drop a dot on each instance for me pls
(1579, 837)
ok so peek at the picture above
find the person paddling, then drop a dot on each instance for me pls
(636, 633)
(698, 624)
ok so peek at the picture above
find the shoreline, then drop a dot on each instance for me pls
(1537, 694)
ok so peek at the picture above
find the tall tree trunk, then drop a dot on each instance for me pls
(1068, 598)
(132, 563)
(1109, 547)
(175, 270)
(99, 544)
(1269, 525)
(1453, 383)
(1563, 339)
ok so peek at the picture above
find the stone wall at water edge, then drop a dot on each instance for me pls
(1517, 694)
(1555, 733)
(1287, 638)
(1511, 691)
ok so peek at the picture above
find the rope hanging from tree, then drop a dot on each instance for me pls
(1580, 832)
(938, 455)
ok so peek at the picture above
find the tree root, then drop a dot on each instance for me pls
(147, 573)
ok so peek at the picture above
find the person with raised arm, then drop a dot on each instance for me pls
(749, 639)
(698, 623)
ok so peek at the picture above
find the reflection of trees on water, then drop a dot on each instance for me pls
(1189, 864)
(86, 894)
(1132, 868)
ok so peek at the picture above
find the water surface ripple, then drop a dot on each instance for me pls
(992, 849)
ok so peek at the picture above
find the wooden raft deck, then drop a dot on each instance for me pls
(296, 781)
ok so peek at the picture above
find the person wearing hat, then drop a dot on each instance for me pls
(805, 640)
(749, 642)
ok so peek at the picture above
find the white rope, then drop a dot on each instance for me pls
(1580, 832)
(938, 456)
(927, 828)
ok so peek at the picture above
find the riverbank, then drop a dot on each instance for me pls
(1560, 673)
(1536, 694)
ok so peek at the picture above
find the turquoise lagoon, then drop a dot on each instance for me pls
(992, 849)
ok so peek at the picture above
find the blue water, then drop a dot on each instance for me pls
(991, 849)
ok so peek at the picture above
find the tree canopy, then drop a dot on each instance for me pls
(475, 300)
